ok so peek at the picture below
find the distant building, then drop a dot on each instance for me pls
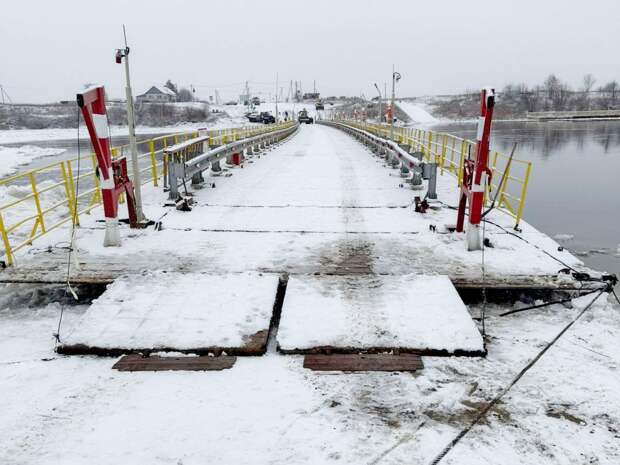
(311, 95)
(158, 94)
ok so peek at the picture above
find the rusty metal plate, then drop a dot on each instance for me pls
(136, 362)
(363, 362)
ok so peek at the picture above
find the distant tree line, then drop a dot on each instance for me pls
(554, 94)
(66, 115)
(515, 100)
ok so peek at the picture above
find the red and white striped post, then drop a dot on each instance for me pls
(113, 174)
(477, 175)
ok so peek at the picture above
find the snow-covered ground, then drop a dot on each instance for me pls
(418, 112)
(74, 410)
(318, 203)
(15, 136)
(11, 158)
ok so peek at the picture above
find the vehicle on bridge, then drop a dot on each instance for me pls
(303, 117)
(254, 117)
(319, 104)
(267, 118)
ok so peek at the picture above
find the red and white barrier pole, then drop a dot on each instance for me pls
(477, 175)
(113, 175)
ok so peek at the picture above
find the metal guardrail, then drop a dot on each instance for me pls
(450, 153)
(190, 158)
(45, 198)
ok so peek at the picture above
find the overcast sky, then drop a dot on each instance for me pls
(51, 48)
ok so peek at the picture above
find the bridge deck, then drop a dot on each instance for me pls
(315, 205)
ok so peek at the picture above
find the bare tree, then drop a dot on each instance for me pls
(184, 95)
(612, 89)
(588, 82)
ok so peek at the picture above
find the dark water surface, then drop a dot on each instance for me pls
(575, 182)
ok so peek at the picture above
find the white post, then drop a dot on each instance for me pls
(277, 117)
(392, 105)
(137, 185)
(380, 103)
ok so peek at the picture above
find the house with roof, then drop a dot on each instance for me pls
(158, 94)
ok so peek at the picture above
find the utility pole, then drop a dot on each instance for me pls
(395, 79)
(380, 103)
(137, 185)
(277, 115)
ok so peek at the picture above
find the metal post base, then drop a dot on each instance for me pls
(112, 236)
(473, 237)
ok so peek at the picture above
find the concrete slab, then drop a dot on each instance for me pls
(410, 313)
(193, 312)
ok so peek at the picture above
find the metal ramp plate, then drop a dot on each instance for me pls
(136, 362)
(363, 362)
(376, 313)
(193, 312)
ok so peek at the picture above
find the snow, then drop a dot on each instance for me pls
(71, 410)
(11, 158)
(178, 311)
(269, 409)
(418, 112)
(14, 136)
(376, 311)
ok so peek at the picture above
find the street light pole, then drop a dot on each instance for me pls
(137, 185)
(380, 103)
(395, 77)
(277, 117)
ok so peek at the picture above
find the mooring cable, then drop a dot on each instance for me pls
(74, 217)
(551, 302)
(516, 379)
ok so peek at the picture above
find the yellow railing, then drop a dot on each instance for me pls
(35, 202)
(450, 153)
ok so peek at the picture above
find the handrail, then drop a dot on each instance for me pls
(189, 159)
(450, 153)
(44, 198)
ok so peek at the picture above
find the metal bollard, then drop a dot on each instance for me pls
(393, 160)
(432, 181)
(216, 169)
(418, 155)
(197, 179)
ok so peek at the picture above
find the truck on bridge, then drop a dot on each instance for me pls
(303, 117)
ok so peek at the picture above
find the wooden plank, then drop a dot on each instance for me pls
(363, 362)
(136, 362)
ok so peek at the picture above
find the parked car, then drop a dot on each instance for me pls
(303, 117)
(267, 118)
(255, 101)
(232, 102)
(254, 117)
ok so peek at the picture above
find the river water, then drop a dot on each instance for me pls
(574, 187)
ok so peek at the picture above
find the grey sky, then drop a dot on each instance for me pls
(50, 48)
